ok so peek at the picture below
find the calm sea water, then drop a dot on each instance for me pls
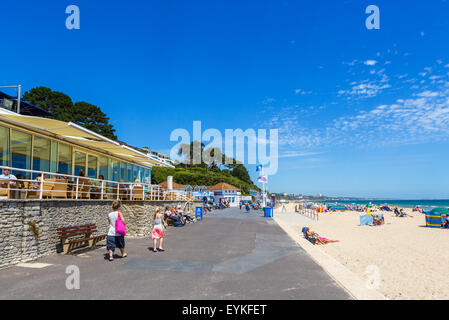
(403, 203)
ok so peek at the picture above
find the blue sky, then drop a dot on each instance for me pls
(360, 112)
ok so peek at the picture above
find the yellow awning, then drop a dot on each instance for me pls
(80, 136)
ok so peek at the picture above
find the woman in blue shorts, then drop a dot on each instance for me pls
(114, 239)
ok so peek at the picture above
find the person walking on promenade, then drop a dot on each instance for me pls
(240, 204)
(114, 239)
(247, 207)
(158, 230)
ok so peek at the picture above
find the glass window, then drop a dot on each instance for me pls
(147, 176)
(4, 146)
(130, 172)
(41, 155)
(142, 174)
(80, 163)
(115, 170)
(64, 159)
(104, 167)
(92, 167)
(21, 152)
(123, 173)
(54, 157)
(136, 173)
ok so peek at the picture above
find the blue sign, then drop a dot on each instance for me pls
(199, 212)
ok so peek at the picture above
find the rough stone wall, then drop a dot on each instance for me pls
(28, 228)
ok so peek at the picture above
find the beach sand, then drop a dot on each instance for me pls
(412, 260)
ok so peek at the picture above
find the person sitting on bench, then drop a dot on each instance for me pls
(173, 216)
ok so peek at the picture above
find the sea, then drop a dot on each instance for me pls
(424, 204)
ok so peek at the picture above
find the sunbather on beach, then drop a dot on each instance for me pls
(315, 237)
(377, 221)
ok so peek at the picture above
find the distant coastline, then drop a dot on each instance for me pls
(400, 203)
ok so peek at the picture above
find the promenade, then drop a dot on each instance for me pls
(229, 255)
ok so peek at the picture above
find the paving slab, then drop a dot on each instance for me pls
(229, 255)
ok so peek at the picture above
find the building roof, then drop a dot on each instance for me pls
(175, 185)
(26, 108)
(222, 186)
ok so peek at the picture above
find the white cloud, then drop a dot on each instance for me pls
(370, 62)
(302, 92)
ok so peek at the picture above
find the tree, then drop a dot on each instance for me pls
(58, 103)
(192, 154)
(230, 163)
(92, 118)
(62, 108)
(212, 157)
(241, 172)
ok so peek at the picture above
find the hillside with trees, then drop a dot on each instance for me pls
(208, 167)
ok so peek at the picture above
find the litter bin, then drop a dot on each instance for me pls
(267, 212)
(199, 212)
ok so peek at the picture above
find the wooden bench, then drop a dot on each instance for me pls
(74, 237)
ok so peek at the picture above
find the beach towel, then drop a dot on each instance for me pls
(327, 240)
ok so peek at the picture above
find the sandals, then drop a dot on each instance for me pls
(160, 250)
(111, 259)
(125, 255)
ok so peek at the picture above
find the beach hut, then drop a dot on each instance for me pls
(436, 218)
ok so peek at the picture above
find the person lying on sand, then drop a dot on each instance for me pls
(315, 237)
(377, 221)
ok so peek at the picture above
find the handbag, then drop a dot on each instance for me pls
(120, 226)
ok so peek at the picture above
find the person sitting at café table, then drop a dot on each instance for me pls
(36, 185)
(7, 176)
(96, 187)
(12, 184)
(135, 184)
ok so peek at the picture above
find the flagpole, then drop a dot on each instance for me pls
(263, 180)
(263, 189)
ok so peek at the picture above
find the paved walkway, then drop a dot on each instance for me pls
(229, 255)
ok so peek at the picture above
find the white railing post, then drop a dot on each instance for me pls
(102, 189)
(130, 192)
(42, 186)
(77, 185)
(118, 191)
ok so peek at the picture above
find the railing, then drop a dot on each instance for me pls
(308, 212)
(65, 186)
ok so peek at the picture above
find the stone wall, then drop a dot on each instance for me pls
(28, 228)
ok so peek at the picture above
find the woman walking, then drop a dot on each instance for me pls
(158, 231)
(114, 239)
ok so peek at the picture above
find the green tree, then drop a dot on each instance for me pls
(58, 103)
(92, 118)
(191, 153)
(241, 172)
(213, 157)
(63, 109)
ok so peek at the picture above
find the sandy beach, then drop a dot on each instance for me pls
(412, 259)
